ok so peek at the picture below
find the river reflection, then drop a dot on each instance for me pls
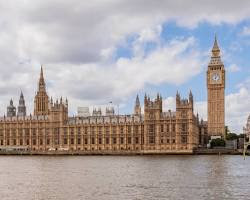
(124, 177)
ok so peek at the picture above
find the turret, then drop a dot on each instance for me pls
(11, 109)
(41, 102)
(21, 107)
(191, 99)
(137, 108)
(178, 98)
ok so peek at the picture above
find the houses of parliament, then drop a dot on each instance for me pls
(51, 129)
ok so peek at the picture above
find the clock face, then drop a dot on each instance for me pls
(216, 77)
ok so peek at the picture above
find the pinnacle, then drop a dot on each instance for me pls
(216, 49)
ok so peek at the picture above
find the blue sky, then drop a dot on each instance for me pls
(235, 47)
(101, 51)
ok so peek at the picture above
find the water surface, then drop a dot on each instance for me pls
(124, 177)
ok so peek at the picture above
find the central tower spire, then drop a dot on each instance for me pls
(41, 99)
(41, 84)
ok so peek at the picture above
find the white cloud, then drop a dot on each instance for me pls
(169, 104)
(233, 68)
(245, 31)
(118, 81)
(76, 41)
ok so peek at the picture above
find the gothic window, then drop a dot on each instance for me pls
(114, 129)
(151, 128)
(183, 140)
(121, 129)
(79, 141)
(92, 140)
(136, 129)
(86, 141)
(100, 130)
(72, 140)
(107, 130)
(122, 140)
(107, 140)
(129, 129)
(184, 127)
(151, 139)
(129, 140)
(100, 140)
(41, 141)
(136, 140)
(173, 127)
(65, 141)
(162, 128)
(173, 141)
(114, 140)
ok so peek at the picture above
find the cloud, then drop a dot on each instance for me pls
(117, 81)
(245, 31)
(76, 41)
(233, 68)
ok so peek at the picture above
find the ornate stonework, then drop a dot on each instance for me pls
(216, 94)
(153, 131)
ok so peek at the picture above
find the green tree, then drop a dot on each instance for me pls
(232, 136)
(217, 143)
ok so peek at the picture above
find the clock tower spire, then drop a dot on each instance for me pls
(216, 93)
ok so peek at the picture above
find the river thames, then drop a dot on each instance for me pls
(124, 177)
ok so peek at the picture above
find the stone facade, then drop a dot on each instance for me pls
(216, 94)
(50, 128)
(152, 131)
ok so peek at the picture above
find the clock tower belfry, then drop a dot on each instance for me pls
(216, 94)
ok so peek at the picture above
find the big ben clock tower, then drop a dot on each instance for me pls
(216, 94)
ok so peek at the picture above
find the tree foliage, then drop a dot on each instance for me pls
(217, 143)
(232, 136)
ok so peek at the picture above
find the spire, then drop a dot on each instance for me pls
(21, 95)
(21, 107)
(216, 46)
(137, 108)
(137, 101)
(41, 80)
(215, 58)
(21, 99)
(190, 95)
(41, 99)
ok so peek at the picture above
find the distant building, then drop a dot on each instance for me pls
(11, 109)
(246, 129)
(83, 112)
(21, 107)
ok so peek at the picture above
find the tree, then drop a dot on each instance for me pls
(217, 143)
(232, 136)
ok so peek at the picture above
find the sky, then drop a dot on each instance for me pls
(98, 51)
